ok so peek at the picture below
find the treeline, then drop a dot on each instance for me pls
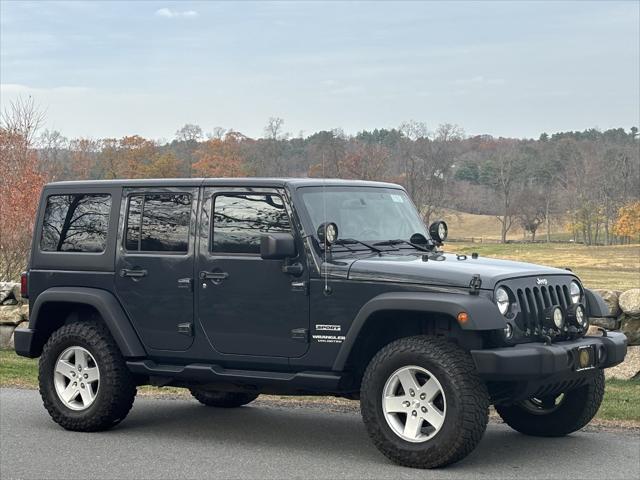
(586, 178)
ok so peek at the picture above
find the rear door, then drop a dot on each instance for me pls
(154, 266)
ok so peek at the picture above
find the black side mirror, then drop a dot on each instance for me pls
(277, 246)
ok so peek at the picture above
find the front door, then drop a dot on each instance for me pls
(154, 267)
(247, 305)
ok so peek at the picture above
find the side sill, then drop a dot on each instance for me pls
(324, 382)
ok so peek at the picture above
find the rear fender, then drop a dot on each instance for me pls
(104, 303)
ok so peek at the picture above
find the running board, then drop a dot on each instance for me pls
(209, 373)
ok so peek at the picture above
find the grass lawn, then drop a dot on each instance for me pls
(621, 402)
(616, 267)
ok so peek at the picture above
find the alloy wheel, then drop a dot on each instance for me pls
(76, 378)
(414, 404)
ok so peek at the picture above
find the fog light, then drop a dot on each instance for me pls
(508, 331)
(554, 318)
(578, 316)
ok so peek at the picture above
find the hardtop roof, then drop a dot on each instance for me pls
(224, 182)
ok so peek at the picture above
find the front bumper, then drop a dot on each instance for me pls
(536, 361)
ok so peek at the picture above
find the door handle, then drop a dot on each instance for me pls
(214, 276)
(125, 272)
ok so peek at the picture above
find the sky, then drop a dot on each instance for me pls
(511, 69)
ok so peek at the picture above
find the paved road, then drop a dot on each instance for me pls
(182, 439)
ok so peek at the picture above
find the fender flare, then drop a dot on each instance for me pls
(107, 306)
(483, 313)
(596, 306)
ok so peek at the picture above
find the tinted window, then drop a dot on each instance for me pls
(240, 220)
(76, 223)
(158, 223)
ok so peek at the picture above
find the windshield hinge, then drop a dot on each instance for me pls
(475, 284)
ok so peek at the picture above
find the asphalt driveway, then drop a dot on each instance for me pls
(165, 438)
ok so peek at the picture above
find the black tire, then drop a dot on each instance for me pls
(116, 391)
(467, 402)
(212, 398)
(576, 410)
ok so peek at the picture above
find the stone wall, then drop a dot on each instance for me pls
(625, 307)
(14, 312)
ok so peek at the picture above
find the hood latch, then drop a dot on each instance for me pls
(475, 284)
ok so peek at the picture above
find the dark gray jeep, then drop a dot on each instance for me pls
(236, 287)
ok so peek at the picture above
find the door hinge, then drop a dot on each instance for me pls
(300, 334)
(186, 329)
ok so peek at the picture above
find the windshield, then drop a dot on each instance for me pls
(369, 214)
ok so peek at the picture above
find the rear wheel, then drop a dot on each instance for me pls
(84, 382)
(422, 403)
(213, 398)
(556, 415)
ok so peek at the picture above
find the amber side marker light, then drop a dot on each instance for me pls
(463, 317)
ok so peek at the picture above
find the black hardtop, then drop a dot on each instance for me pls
(224, 182)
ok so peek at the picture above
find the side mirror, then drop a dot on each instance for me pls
(277, 246)
(439, 231)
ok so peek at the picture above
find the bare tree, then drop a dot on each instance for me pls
(189, 133)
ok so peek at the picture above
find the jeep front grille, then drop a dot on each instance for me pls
(533, 301)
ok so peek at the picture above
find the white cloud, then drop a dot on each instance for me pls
(169, 13)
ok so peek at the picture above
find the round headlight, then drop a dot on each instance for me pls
(575, 292)
(502, 300)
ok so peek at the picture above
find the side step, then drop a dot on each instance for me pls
(212, 374)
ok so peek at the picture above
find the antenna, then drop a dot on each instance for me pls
(327, 289)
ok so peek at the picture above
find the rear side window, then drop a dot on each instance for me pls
(158, 222)
(76, 223)
(239, 221)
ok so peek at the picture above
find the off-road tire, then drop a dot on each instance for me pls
(467, 410)
(222, 399)
(577, 409)
(116, 391)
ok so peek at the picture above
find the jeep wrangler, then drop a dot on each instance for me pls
(236, 287)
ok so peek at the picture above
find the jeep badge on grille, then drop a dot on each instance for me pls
(542, 281)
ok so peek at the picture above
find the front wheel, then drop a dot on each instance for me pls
(422, 403)
(556, 415)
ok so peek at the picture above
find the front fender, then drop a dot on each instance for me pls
(107, 306)
(483, 313)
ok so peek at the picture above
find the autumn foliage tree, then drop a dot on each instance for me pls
(221, 157)
(628, 221)
(20, 186)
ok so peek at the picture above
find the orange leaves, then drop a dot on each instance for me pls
(628, 221)
(221, 157)
(20, 186)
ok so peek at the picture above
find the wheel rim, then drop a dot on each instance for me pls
(414, 404)
(76, 378)
(543, 406)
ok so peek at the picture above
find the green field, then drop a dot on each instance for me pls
(621, 403)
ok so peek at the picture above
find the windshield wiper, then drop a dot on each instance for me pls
(352, 241)
(391, 243)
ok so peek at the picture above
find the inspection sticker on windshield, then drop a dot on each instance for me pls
(397, 198)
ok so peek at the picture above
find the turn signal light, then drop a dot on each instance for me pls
(463, 317)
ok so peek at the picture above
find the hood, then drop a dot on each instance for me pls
(446, 269)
